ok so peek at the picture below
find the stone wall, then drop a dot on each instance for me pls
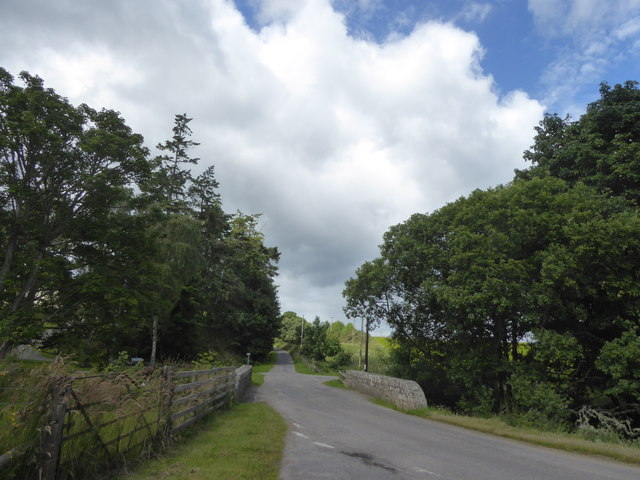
(243, 380)
(404, 394)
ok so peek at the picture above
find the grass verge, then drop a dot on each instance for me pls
(244, 444)
(258, 371)
(302, 367)
(495, 426)
(335, 383)
(560, 441)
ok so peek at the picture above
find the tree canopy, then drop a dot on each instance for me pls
(533, 283)
(98, 238)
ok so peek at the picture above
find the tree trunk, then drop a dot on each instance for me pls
(5, 348)
(154, 340)
(366, 350)
(30, 284)
(8, 258)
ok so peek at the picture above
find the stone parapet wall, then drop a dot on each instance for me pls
(243, 380)
(404, 394)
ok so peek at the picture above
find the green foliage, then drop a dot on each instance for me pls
(340, 360)
(601, 149)
(555, 355)
(318, 344)
(291, 328)
(65, 177)
(366, 294)
(248, 310)
(538, 403)
(620, 359)
(98, 242)
(208, 359)
(554, 255)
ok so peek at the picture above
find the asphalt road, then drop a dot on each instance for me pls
(340, 434)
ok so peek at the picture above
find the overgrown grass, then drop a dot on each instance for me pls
(22, 404)
(125, 407)
(623, 452)
(258, 371)
(620, 451)
(244, 444)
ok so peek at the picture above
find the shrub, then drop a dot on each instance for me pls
(538, 404)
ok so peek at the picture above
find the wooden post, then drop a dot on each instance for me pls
(52, 434)
(165, 403)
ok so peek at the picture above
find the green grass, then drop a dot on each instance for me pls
(302, 367)
(244, 444)
(379, 351)
(574, 443)
(560, 441)
(258, 371)
(335, 383)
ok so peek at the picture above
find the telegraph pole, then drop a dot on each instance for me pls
(361, 331)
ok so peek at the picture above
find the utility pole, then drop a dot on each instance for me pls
(361, 331)
(302, 332)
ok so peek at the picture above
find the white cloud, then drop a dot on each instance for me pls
(333, 138)
(628, 29)
(475, 12)
(599, 36)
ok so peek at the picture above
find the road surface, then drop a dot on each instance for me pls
(339, 434)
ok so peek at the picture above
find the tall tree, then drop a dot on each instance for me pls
(601, 149)
(291, 328)
(250, 314)
(462, 287)
(172, 179)
(63, 170)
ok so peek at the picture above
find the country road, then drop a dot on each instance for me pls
(340, 434)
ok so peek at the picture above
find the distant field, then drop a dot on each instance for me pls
(379, 352)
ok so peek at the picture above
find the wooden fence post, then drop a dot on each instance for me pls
(166, 401)
(52, 434)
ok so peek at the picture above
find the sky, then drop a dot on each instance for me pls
(334, 119)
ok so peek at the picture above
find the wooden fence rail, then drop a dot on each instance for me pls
(101, 421)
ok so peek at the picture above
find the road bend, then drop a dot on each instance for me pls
(339, 434)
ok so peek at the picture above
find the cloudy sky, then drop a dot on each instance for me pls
(333, 118)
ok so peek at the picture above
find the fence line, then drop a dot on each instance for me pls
(99, 421)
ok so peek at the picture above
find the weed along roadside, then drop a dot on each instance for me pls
(77, 425)
(619, 451)
(258, 370)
